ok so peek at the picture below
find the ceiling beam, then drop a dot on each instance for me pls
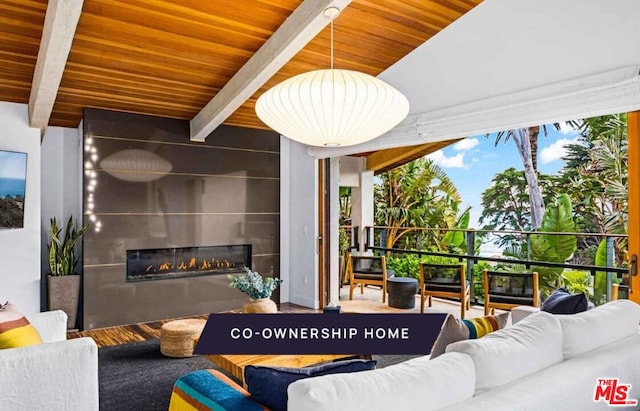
(381, 160)
(60, 24)
(298, 29)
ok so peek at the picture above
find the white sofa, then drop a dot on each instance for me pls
(544, 362)
(59, 374)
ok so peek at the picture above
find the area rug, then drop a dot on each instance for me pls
(137, 377)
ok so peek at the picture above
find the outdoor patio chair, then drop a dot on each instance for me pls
(619, 291)
(506, 290)
(444, 280)
(367, 270)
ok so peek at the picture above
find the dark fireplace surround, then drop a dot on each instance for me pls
(216, 205)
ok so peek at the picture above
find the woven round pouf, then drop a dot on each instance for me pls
(178, 338)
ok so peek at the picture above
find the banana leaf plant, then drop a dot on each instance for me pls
(553, 247)
(62, 256)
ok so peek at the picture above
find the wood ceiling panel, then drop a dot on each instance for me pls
(169, 58)
(179, 55)
(20, 31)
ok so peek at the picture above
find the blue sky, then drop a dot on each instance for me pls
(12, 165)
(473, 162)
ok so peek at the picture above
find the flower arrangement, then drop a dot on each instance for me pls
(252, 284)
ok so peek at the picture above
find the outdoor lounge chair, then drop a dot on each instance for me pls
(367, 270)
(444, 280)
(504, 290)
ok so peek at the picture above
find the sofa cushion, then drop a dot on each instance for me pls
(561, 301)
(595, 328)
(417, 384)
(457, 330)
(268, 385)
(568, 386)
(15, 329)
(531, 345)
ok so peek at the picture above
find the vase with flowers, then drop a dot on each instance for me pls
(258, 289)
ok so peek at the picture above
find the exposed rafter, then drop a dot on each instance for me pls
(300, 27)
(384, 160)
(60, 25)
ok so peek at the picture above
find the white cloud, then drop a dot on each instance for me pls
(557, 150)
(466, 144)
(440, 159)
(566, 129)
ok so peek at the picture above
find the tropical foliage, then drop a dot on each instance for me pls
(506, 205)
(417, 194)
(553, 247)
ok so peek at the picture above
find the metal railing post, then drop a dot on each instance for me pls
(368, 238)
(471, 250)
(610, 261)
(355, 238)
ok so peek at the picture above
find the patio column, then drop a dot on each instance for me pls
(354, 174)
(362, 205)
(633, 184)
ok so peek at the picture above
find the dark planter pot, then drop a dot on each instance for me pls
(64, 293)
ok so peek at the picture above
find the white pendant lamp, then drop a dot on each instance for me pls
(332, 107)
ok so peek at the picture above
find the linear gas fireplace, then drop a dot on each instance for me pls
(161, 263)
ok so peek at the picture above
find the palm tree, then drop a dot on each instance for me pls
(417, 194)
(526, 140)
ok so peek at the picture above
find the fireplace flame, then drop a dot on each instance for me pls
(192, 265)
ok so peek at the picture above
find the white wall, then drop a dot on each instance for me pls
(298, 227)
(61, 176)
(20, 248)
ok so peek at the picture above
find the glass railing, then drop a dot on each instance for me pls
(598, 265)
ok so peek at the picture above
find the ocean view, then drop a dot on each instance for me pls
(12, 187)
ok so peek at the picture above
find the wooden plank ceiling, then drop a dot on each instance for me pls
(169, 58)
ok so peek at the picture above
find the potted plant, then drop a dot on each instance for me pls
(258, 289)
(63, 282)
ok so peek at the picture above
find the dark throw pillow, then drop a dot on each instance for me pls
(563, 302)
(268, 385)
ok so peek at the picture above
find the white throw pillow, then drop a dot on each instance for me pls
(417, 384)
(505, 355)
(595, 328)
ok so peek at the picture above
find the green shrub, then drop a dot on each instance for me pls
(578, 282)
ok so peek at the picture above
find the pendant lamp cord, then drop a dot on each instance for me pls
(332, 44)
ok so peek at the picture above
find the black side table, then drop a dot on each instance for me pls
(402, 292)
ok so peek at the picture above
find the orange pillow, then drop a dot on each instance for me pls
(15, 329)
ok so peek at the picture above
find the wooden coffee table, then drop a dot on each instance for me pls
(234, 364)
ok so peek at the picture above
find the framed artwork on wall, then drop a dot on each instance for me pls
(13, 184)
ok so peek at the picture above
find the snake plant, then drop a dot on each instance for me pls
(62, 257)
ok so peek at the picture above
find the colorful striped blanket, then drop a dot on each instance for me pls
(210, 390)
